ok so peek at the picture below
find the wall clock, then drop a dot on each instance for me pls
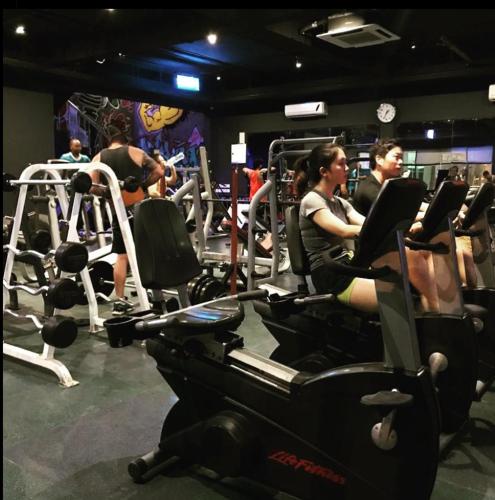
(386, 112)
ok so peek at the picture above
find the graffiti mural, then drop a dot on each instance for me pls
(154, 118)
(148, 126)
(170, 130)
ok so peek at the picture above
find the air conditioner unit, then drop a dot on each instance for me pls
(306, 110)
(491, 93)
(349, 31)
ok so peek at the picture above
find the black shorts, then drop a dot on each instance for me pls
(118, 241)
(326, 280)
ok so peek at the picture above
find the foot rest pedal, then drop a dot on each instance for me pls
(387, 399)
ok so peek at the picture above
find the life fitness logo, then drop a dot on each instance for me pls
(290, 460)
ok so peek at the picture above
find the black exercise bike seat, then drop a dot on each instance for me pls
(225, 315)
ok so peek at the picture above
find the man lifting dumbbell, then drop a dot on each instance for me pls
(125, 161)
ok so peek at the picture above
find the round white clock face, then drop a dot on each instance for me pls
(386, 112)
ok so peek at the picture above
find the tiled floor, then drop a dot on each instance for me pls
(76, 443)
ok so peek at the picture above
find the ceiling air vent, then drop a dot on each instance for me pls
(348, 31)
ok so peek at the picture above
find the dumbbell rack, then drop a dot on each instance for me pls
(47, 358)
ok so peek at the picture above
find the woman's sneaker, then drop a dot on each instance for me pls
(122, 306)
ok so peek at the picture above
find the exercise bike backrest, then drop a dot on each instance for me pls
(395, 208)
(297, 253)
(446, 203)
(164, 251)
(483, 200)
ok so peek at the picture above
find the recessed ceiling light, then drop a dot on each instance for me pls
(121, 54)
(413, 46)
(212, 38)
(298, 64)
(20, 30)
(219, 77)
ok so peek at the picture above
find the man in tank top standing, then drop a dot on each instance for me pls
(125, 161)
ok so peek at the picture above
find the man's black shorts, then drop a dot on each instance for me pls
(118, 241)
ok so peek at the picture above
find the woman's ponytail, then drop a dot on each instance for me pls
(301, 178)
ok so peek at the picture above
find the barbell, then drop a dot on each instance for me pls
(70, 256)
(130, 184)
(80, 182)
(62, 293)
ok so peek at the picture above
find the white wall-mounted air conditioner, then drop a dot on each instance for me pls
(306, 110)
(491, 93)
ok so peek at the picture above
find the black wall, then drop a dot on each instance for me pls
(27, 134)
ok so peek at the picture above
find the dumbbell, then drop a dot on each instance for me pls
(101, 275)
(41, 240)
(59, 331)
(70, 256)
(62, 294)
(130, 184)
(80, 182)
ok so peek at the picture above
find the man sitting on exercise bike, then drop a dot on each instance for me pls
(386, 163)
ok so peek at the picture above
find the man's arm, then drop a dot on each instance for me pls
(172, 179)
(95, 178)
(154, 190)
(422, 210)
(154, 168)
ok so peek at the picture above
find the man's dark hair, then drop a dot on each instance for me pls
(258, 163)
(116, 135)
(381, 148)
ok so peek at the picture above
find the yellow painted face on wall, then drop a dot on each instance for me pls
(156, 117)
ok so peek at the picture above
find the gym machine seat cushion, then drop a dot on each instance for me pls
(164, 251)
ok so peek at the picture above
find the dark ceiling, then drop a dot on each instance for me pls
(255, 55)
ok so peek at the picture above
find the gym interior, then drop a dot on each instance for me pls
(153, 348)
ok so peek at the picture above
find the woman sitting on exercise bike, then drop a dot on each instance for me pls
(328, 224)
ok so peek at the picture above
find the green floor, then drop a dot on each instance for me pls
(76, 443)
